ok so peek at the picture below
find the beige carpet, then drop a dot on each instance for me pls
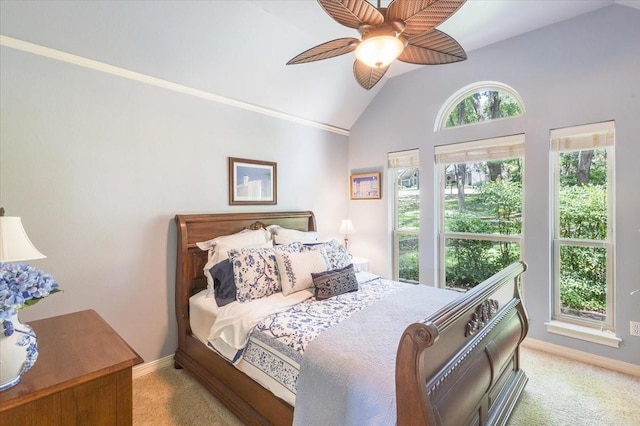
(559, 392)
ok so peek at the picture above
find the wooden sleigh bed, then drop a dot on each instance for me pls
(458, 366)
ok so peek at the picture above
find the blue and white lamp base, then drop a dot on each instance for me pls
(18, 351)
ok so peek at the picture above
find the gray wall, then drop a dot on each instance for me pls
(97, 166)
(579, 71)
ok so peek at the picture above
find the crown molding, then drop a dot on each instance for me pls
(80, 61)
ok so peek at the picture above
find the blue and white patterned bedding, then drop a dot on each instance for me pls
(277, 342)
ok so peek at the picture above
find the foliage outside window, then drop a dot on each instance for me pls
(478, 103)
(405, 174)
(583, 224)
(481, 209)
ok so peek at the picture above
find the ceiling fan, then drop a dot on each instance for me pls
(405, 30)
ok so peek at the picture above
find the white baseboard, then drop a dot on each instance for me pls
(600, 361)
(150, 367)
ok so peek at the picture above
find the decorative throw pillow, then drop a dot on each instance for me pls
(332, 283)
(336, 254)
(295, 269)
(255, 271)
(220, 253)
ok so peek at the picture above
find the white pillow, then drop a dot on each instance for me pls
(238, 240)
(221, 251)
(295, 269)
(336, 255)
(285, 236)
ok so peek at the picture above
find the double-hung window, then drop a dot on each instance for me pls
(404, 172)
(583, 244)
(481, 221)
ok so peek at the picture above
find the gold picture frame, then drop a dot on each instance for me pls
(365, 186)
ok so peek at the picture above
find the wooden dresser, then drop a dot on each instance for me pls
(82, 376)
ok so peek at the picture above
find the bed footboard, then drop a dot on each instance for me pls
(461, 365)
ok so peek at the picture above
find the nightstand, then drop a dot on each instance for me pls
(82, 376)
(361, 264)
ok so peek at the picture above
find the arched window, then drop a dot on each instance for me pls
(478, 103)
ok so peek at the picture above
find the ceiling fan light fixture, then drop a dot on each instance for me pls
(379, 51)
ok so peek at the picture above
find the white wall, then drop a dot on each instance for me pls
(579, 71)
(97, 166)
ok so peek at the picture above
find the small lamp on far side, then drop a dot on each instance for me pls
(346, 228)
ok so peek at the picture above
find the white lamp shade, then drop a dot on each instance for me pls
(15, 246)
(346, 227)
(380, 51)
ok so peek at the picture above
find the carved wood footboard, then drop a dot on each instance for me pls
(461, 365)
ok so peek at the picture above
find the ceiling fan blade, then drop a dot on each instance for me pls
(326, 50)
(367, 76)
(422, 15)
(352, 13)
(432, 48)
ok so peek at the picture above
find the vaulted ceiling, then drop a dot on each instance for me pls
(237, 50)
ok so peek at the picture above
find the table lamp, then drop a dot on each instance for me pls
(15, 245)
(346, 228)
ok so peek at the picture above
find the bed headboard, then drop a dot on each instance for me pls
(193, 228)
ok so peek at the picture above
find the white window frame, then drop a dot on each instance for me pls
(400, 160)
(480, 86)
(499, 148)
(576, 138)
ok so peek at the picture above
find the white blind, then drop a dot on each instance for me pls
(482, 150)
(589, 136)
(404, 159)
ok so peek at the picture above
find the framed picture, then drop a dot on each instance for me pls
(365, 186)
(252, 182)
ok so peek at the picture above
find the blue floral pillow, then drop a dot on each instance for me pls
(255, 271)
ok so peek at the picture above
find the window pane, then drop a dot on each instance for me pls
(583, 258)
(483, 106)
(408, 257)
(469, 262)
(583, 194)
(483, 197)
(407, 223)
(408, 198)
(583, 278)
